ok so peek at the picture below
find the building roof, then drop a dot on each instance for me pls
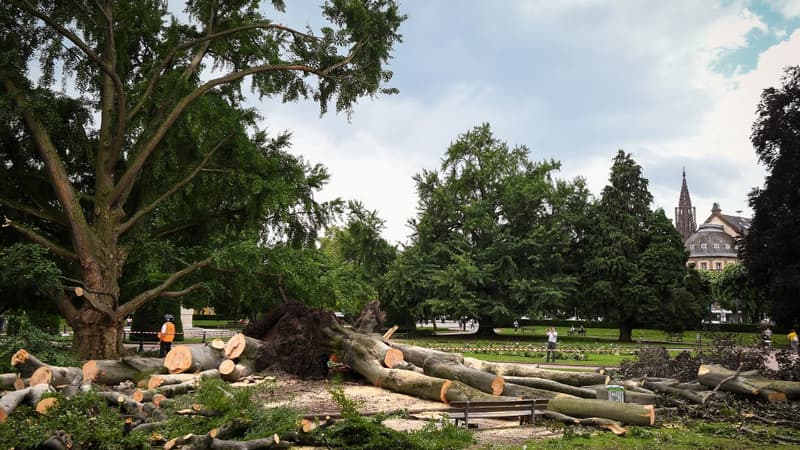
(711, 240)
(740, 225)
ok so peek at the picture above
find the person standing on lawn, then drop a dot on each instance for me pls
(166, 335)
(552, 340)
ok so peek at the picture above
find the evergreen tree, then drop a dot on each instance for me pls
(636, 264)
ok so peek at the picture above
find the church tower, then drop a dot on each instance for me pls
(685, 213)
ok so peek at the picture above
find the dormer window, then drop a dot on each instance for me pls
(703, 245)
(716, 245)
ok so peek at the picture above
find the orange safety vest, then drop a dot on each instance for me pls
(169, 336)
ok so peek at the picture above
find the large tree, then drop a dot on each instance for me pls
(491, 240)
(636, 264)
(103, 155)
(771, 250)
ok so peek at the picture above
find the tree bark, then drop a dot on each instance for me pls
(624, 412)
(10, 400)
(522, 370)
(712, 375)
(193, 358)
(113, 371)
(550, 385)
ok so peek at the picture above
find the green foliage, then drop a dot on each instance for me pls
(493, 239)
(87, 419)
(24, 334)
(150, 169)
(635, 271)
(348, 406)
(361, 258)
(771, 247)
(27, 276)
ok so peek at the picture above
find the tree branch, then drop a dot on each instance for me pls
(143, 155)
(201, 52)
(151, 84)
(173, 294)
(13, 204)
(137, 302)
(125, 227)
(59, 179)
(33, 236)
(30, 9)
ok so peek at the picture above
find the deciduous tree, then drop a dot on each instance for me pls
(135, 122)
(771, 250)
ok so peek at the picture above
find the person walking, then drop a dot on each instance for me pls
(516, 326)
(766, 337)
(166, 335)
(552, 340)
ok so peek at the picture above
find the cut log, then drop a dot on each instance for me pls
(418, 355)
(28, 364)
(393, 358)
(231, 371)
(550, 385)
(11, 399)
(25, 363)
(124, 402)
(697, 397)
(483, 381)
(108, 372)
(45, 404)
(193, 358)
(711, 375)
(364, 354)
(522, 370)
(640, 398)
(624, 412)
(42, 375)
(790, 388)
(8, 381)
(171, 378)
(241, 346)
(525, 392)
(145, 365)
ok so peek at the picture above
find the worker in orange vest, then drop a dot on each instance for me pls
(166, 335)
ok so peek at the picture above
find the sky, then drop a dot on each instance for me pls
(676, 84)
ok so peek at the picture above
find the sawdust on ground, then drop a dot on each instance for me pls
(313, 398)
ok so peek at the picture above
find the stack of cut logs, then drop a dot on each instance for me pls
(574, 397)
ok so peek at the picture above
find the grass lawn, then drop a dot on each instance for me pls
(599, 347)
(691, 435)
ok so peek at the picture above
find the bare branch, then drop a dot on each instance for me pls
(173, 294)
(143, 155)
(131, 306)
(125, 227)
(33, 236)
(151, 84)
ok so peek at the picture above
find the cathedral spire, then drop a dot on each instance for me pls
(685, 214)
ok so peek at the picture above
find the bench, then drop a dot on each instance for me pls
(526, 410)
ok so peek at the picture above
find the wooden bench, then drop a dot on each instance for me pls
(526, 410)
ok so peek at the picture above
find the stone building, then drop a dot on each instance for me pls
(714, 244)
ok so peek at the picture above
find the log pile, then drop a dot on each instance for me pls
(141, 386)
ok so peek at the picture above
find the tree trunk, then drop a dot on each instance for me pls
(96, 336)
(623, 412)
(625, 332)
(485, 328)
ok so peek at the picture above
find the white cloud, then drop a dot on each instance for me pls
(789, 8)
(573, 81)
